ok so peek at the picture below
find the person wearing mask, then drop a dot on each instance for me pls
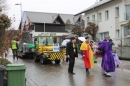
(87, 54)
(71, 52)
(108, 64)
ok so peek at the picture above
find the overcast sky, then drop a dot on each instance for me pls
(51, 6)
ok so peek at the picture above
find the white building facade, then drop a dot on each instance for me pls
(111, 16)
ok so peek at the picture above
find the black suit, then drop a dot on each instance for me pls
(72, 54)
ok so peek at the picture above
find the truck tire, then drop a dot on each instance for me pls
(57, 61)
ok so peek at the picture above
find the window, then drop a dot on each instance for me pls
(88, 20)
(93, 18)
(127, 12)
(117, 33)
(117, 11)
(106, 15)
(45, 41)
(103, 35)
(100, 16)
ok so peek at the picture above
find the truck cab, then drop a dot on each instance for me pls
(46, 49)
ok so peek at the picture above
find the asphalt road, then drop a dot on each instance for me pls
(57, 75)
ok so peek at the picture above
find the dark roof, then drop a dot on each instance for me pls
(41, 17)
(100, 3)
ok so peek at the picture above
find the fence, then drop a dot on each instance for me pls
(124, 42)
(122, 47)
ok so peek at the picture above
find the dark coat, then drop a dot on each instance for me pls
(70, 50)
(111, 42)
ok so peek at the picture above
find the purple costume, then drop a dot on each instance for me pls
(108, 63)
(116, 59)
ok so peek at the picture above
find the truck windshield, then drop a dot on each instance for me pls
(46, 41)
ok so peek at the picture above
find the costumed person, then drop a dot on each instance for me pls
(116, 58)
(71, 52)
(93, 48)
(108, 64)
(87, 54)
(110, 41)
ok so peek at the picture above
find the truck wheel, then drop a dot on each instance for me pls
(57, 61)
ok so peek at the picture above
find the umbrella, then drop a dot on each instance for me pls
(69, 36)
(65, 42)
(82, 39)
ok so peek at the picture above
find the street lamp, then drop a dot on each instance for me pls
(20, 7)
(21, 11)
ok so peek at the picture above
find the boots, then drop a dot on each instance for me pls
(87, 71)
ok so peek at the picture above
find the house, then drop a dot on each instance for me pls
(111, 16)
(60, 25)
(48, 23)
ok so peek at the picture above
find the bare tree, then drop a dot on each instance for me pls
(92, 29)
(4, 24)
(68, 25)
(3, 5)
(78, 30)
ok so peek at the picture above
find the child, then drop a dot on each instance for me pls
(94, 50)
(116, 58)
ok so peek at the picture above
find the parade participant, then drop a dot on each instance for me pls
(110, 41)
(93, 48)
(87, 54)
(108, 64)
(71, 52)
(116, 58)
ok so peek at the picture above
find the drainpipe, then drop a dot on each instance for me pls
(121, 40)
(97, 14)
